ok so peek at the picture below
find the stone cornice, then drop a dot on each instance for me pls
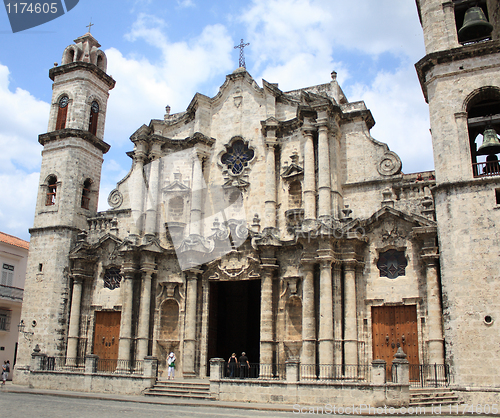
(53, 228)
(451, 55)
(79, 65)
(480, 181)
(74, 133)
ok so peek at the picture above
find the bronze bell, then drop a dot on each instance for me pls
(491, 144)
(475, 27)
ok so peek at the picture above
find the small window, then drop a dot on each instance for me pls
(7, 275)
(94, 113)
(62, 113)
(497, 195)
(112, 278)
(86, 194)
(4, 320)
(392, 264)
(51, 191)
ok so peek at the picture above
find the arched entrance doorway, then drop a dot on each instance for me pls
(234, 319)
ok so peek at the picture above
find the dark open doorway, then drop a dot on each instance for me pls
(234, 321)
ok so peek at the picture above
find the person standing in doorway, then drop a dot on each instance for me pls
(171, 365)
(244, 365)
(4, 372)
(233, 363)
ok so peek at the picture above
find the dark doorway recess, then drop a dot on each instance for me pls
(234, 321)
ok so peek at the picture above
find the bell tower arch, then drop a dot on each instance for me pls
(460, 79)
(72, 156)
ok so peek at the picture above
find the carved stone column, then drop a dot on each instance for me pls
(266, 314)
(324, 175)
(308, 355)
(197, 190)
(350, 312)
(138, 186)
(309, 172)
(152, 196)
(74, 318)
(189, 352)
(147, 269)
(435, 348)
(337, 313)
(124, 345)
(325, 331)
(270, 203)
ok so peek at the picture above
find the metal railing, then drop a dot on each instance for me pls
(424, 375)
(486, 169)
(67, 364)
(429, 375)
(119, 366)
(10, 292)
(335, 372)
(255, 371)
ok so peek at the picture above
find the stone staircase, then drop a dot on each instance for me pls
(430, 396)
(182, 388)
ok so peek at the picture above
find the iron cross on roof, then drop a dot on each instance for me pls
(89, 25)
(242, 55)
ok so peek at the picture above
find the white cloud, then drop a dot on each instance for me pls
(402, 118)
(144, 88)
(22, 118)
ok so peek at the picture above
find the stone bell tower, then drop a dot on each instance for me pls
(72, 157)
(460, 79)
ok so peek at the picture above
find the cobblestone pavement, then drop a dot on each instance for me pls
(43, 406)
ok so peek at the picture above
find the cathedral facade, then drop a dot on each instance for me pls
(271, 222)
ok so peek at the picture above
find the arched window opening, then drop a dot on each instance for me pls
(483, 122)
(94, 114)
(112, 278)
(295, 195)
(472, 22)
(86, 194)
(62, 113)
(176, 208)
(51, 191)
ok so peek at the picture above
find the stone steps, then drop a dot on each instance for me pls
(428, 397)
(180, 389)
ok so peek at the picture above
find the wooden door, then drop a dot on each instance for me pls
(106, 336)
(395, 326)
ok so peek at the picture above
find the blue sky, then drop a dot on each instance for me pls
(161, 52)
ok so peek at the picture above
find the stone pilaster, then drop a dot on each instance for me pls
(266, 315)
(127, 286)
(325, 331)
(152, 196)
(435, 347)
(270, 203)
(324, 175)
(189, 352)
(308, 355)
(138, 186)
(197, 190)
(147, 269)
(350, 314)
(337, 313)
(74, 318)
(309, 172)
